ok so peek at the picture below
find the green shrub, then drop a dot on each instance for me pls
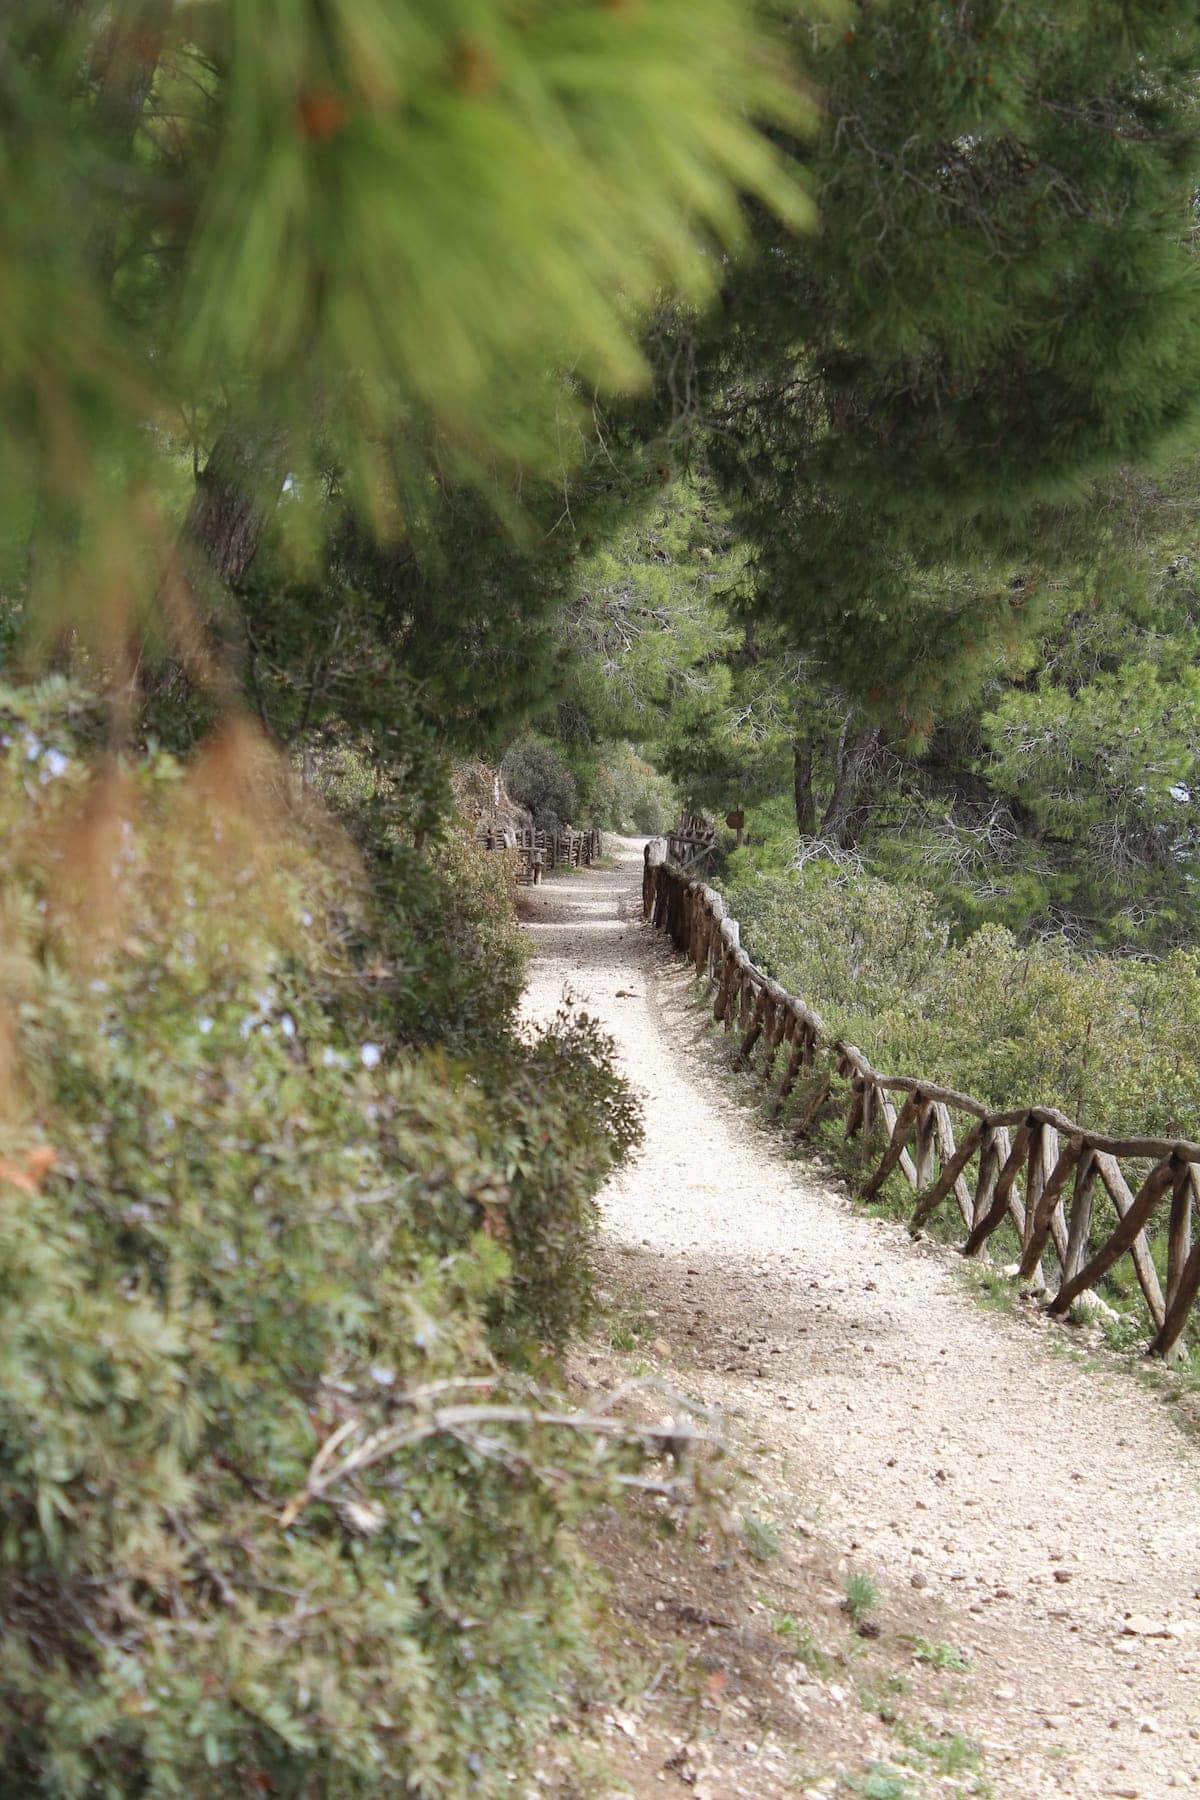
(862, 1596)
(539, 779)
(565, 1118)
(439, 954)
(1105, 1038)
(229, 1230)
(628, 795)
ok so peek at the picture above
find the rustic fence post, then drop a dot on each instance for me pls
(728, 950)
(896, 1147)
(925, 1144)
(1002, 1197)
(1080, 1224)
(653, 857)
(753, 1031)
(1179, 1228)
(951, 1176)
(1160, 1178)
(794, 1035)
(1139, 1250)
(1166, 1344)
(1039, 1215)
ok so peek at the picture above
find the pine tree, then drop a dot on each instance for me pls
(1001, 304)
(401, 243)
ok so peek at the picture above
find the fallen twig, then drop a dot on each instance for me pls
(677, 1439)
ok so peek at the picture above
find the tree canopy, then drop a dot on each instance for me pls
(1000, 305)
(393, 247)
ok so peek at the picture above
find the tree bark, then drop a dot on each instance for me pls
(124, 62)
(215, 550)
(853, 756)
(803, 798)
(228, 512)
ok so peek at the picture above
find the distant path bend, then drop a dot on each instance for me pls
(1035, 1502)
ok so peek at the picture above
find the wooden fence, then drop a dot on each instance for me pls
(691, 841)
(1029, 1164)
(537, 851)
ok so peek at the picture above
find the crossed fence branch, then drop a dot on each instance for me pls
(537, 851)
(1029, 1164)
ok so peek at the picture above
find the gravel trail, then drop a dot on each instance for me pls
(1042, 1509)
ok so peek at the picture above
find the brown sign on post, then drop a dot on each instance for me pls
(735, 820)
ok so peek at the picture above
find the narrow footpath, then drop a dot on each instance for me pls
(1046, 1513)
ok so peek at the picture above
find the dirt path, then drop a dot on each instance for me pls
(1033, 1504)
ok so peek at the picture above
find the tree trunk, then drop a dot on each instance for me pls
(228, 512)
(803, 798)
(854, 754)
(124, 61)
(215, 550)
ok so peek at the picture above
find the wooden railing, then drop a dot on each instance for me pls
(692, 839)
(537, 851)
(1017, 1163)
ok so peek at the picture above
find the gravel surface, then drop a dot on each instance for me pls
(1049, 1512)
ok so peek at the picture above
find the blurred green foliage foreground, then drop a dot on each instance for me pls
(287, 1208)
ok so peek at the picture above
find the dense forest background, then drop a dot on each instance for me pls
(669, 402)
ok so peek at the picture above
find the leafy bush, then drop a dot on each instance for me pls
(565, 1118)
(1105, 1038)
(629, 795)
(440, 955)
(539, 778)
(229, 1231)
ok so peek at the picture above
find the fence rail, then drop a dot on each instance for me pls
(692, 840)
(537, 851)
(1030, 1164)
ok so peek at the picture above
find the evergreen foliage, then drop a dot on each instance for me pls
(629, 795)
(1055, 795)
(1001, 304)
(538, 778)
(285, 239)
(643, 614)
(439, 957)
(638, 630)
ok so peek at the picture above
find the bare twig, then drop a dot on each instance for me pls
(465, 1422)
